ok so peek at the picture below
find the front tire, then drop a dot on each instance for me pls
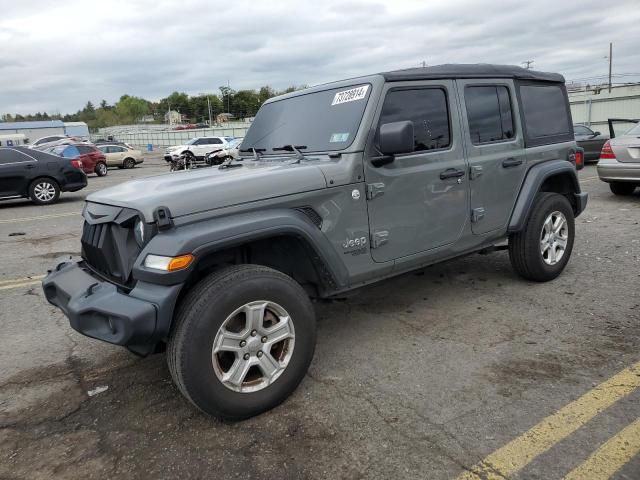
(243, 340)
(542, 249)
(101, 169)
(622, 188)
(44, 191)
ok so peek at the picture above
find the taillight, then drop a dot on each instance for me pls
(76, 164)
(579, 159)
(607, 151)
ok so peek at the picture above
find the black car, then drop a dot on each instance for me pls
(590, 141)
(38, 175)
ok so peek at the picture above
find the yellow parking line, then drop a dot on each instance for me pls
(17, 285)
(611, 456)
(41, 217)
(516, 454)
(22, 280)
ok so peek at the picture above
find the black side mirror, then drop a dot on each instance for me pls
(396, 137)
(595, 134)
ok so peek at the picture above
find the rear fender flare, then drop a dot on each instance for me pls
(534, 180)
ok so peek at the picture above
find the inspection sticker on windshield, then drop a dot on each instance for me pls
(350, 95)
(339, 137)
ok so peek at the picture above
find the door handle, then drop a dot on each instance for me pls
(511, 162)
(30, 165)
(451, 173)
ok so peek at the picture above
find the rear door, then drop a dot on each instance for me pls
(495, 150)
(419, 201)
(16, 171)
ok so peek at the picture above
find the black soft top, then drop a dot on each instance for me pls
(472, 70)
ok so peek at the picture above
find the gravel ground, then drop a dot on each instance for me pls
(420, 376)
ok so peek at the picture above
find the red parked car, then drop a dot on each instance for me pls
(90, 158)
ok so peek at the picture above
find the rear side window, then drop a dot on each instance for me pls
(428, 110)
(70, 152)
(85, 149)
(215, 141)
(546, 114)
(489, 113)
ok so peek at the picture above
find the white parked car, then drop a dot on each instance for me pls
(121, 156)
(199, 147)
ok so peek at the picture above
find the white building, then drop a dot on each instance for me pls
(594, 105)
(33, 130)
(172, 117)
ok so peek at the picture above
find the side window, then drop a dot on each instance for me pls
(545, 110)
(83, 149)
(489, 113)
(215, 141)
(581, 130)
(70, 152)
(428, 110)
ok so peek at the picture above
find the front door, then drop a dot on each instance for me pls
(419, 201)
(495, 150)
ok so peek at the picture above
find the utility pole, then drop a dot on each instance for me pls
(527, 64)
(610, 61)
(228, 96)
(209, 109)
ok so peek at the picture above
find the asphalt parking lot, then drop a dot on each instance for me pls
(460, 371)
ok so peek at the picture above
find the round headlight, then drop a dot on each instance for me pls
(139, 233)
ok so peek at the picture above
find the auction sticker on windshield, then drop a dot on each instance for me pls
(350, 95)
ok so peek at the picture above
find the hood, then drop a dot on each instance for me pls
(194, 191)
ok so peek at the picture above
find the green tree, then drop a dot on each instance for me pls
(131, 109)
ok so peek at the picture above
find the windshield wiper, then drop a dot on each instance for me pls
(256, 152)
(292, 148)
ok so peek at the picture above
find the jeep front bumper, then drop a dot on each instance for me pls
(99, 309)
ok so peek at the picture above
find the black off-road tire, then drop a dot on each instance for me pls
(200, 315)
(622, 188)
(101, 169)
(48, 184)
(524, 246)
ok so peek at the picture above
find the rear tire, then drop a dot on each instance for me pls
(129, 163)
(101, 169)
(537, 252)
(203, 319)
(44, 191)
(622, 188)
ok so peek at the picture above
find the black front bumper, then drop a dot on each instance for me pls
(100, 309)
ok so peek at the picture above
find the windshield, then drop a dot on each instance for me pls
(320, 121)
(192, 141)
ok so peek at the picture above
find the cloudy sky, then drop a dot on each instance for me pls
(57, 54)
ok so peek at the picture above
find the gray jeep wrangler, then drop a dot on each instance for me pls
(339, 186)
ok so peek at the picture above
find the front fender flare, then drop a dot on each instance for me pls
(218, 233)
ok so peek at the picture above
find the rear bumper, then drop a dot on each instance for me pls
(99, 309)
(74, 186)
(614, 171)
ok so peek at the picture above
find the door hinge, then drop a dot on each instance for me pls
(475, 171)
(374, 190)
(379, 238)
(477, 214)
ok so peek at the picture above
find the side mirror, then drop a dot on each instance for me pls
(595, 134)
(396, 137)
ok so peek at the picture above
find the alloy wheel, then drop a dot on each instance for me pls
(44, 191)
(253, 346)
(554, 238)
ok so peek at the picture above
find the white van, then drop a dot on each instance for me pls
(13, 140)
